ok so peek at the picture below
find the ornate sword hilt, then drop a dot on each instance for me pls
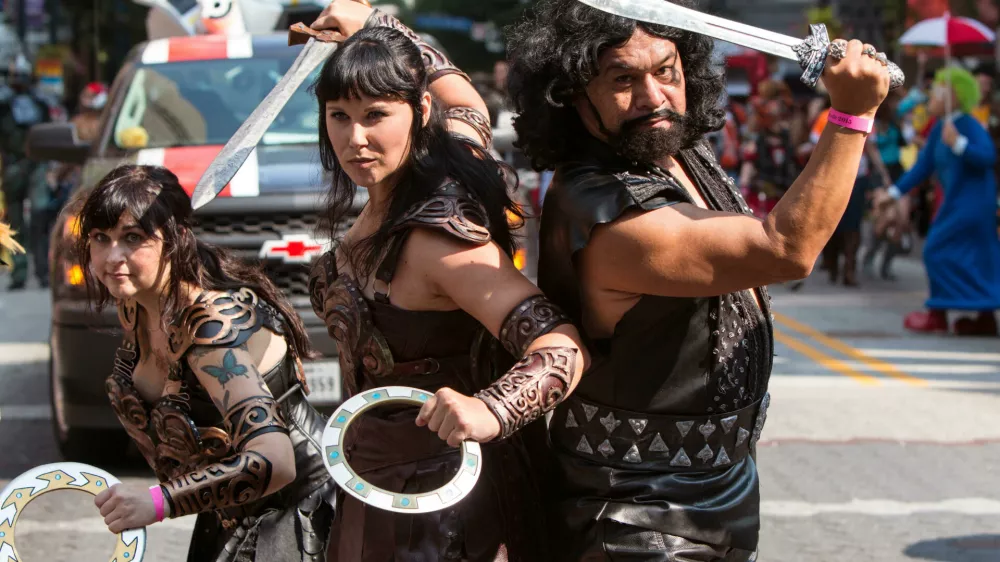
(300, 33)
(812, 53)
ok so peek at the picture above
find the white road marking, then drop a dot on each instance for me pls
(95, 525)
(20, 353)
(891, 508)
(934, 355)
(25, 412)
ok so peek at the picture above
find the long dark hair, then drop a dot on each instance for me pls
(380, 62)
(155, 198)
(554, 53)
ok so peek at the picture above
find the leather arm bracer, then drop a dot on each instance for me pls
(236, 480)
(435, 63)
(535, 385)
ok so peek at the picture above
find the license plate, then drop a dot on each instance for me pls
(324, 382)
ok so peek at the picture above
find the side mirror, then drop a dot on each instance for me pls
(56, 141)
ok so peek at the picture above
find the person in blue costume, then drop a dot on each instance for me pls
(962, 251)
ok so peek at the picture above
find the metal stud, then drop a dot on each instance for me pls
(584, 446)
(633, 454)
(609, 422)
(606, 449)
(571, 420)
(658, 445)
(722, 458)
(589, 411)
(706, 454)
(638, 426)
(741, 436)
(681, 459)
(728, 423)
(684, 427)
(706, 429)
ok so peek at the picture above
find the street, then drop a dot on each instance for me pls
(879, 445)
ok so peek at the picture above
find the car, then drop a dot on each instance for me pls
(175, 103)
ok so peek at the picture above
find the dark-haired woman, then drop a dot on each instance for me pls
(207, 381)
(415, 294)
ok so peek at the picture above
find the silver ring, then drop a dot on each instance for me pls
(870, 51)
(362, 490)
(838, 49)
(882, 58)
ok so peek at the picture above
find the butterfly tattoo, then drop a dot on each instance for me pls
(229, 369)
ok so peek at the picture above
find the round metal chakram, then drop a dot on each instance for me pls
(423, 502)
(131, 544)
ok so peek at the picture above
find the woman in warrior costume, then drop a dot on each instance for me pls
(415, 294)
(207, 381)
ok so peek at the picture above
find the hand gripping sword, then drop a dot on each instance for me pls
(319, 46)
(809, 53)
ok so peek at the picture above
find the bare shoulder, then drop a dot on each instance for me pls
(432, 248)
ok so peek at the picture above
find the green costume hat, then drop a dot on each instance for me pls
(965, 85)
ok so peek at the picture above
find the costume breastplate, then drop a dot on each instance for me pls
(183, 431)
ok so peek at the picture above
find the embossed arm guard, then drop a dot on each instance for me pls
(236, 480)
(528, 321)
(435, 63)
(535, 385)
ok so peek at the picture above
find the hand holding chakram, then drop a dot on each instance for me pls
(858, 82)
(456, 417)
(126, 508)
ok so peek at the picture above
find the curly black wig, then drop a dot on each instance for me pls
(553, 54)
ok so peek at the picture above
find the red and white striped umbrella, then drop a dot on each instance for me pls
(947, 31)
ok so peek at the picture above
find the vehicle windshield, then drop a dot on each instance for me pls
(204, 103)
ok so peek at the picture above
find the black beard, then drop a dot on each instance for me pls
(650, 144)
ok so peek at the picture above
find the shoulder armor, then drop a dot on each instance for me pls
(451, 210)
(218, 319)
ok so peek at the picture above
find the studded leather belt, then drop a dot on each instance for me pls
(633, 440)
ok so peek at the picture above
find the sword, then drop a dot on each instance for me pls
(319, 46)
(810, 53)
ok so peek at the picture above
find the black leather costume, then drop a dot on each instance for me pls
(198, 454)
(381, 345)
(653, 451)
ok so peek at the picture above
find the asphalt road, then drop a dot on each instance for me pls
(879, 446)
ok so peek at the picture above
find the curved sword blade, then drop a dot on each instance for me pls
(245, 140)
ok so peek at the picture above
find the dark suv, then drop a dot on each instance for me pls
(175, 103)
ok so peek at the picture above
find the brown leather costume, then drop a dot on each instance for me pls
(380, 345)
(198, 454)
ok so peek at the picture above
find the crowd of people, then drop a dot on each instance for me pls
(770, 136)
(35, 192)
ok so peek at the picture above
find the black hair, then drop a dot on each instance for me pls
(381, 62)
(154, 197)
(554, 54)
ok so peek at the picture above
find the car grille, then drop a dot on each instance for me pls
(255, 224)
(291, 278)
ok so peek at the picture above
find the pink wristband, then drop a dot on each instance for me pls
(157, 493)
(851, 122)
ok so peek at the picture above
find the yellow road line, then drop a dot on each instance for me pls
(825, 360)
(877, 365)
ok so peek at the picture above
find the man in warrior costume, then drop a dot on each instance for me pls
(647, 244)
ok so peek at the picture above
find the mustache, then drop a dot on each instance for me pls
(665, 113)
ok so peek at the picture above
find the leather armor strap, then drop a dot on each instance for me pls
(225, 319)
(535, 385)
(253, 417)
(237, 480)
(528, 321)
(435, 63)
(474, 119)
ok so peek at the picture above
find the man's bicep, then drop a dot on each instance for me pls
(679, 250)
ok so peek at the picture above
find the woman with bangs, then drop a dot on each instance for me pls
(421, 292)
(208, 380)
